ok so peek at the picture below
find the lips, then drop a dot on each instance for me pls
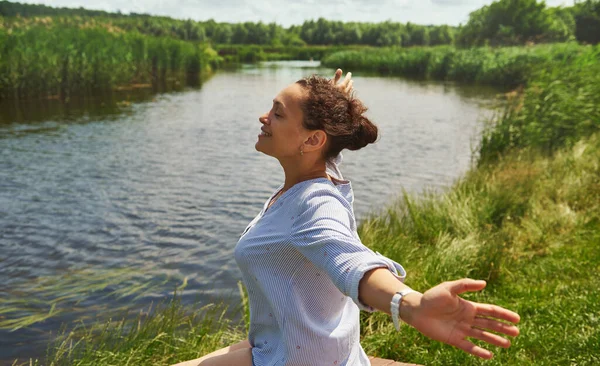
(265, 133)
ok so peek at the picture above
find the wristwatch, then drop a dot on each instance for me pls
(395, 305)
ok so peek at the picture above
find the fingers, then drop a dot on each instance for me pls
(488, 337)
(348, 88)
(496, 326)
(466, 284)
(347, 78)
(347, 84)
(337, 76)
(498, 312)
(469, 347)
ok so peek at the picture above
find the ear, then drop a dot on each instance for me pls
(315, 141)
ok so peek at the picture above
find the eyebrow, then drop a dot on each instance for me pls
(278, 102)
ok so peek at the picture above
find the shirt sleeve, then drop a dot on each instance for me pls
(324, 233)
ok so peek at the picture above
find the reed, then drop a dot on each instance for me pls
(45, 61)
(560, 106)
(506, 67)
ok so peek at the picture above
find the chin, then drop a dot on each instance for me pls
(262, 151)
(259, 149)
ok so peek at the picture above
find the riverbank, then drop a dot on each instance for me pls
(256, 53)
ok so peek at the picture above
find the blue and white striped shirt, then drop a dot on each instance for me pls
(302, 261)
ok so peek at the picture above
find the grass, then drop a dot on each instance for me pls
(155, 334)
(560, 106)
(56, 59)
(29, 302)
(506, 67)
(528, 224)
(159, 336)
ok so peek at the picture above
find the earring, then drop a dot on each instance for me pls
(301, 152)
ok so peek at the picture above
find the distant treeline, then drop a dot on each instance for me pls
(517, 22)
(504, 22)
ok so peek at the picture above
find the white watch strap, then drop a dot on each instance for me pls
(395, 305)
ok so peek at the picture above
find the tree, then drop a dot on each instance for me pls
(222, 33)
(419, 35)
(511, 22)
(240, 34)
(441, 35)
(587, 21)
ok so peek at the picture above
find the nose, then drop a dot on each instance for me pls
(263, 119)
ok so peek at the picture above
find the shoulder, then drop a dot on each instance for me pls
(321, 206)
(321, 194)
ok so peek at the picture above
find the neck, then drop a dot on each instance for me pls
(305, 169)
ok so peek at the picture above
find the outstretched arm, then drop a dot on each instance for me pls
(441, 314)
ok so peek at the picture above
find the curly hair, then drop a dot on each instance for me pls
(340, 115)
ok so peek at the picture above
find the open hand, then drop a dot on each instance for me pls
(444, 316)
(346, 85)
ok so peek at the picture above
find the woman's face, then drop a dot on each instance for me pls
(282, 134)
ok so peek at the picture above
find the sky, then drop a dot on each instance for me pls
(288, 12)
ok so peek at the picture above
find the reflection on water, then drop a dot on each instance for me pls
(164, 184)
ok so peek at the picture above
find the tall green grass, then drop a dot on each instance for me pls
(505, 67)
(127, 334)
(159, 335)
(560, 106)
(29, 302)
(529, 224)
(61, 60)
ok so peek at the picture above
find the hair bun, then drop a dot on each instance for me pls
(365, 134)
(340, 115)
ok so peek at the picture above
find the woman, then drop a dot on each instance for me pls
(305, 269)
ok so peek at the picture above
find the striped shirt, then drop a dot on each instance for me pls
(301, 261)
